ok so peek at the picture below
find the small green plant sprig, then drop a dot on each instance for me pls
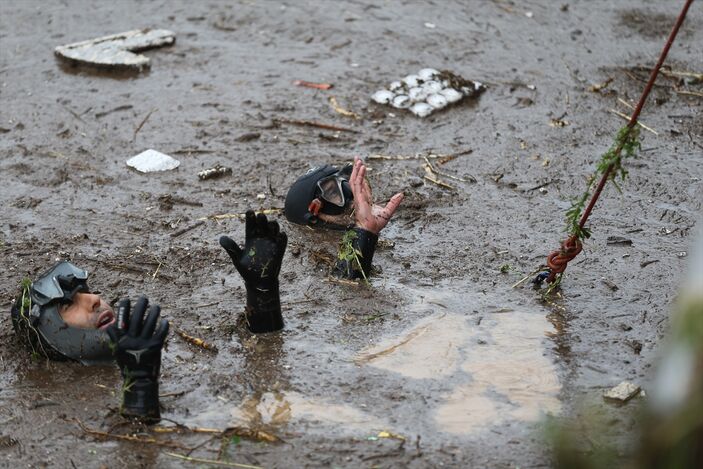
(628, 141)
(348, 253)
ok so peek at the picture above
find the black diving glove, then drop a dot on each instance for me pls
(138, 343)
(356, 254)
(259, 264)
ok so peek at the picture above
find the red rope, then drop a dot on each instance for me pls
(571, 247)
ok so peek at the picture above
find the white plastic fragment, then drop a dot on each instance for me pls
(417, 93)
(117, 50)
(421, 109)
(411, 80)
(451, 95)
(427, 73)
(383, 96)
(437, 101)
(151, 160)
(401, 102)
(623, 392)
(432, 87)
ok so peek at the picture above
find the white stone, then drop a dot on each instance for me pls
(151, 160)
(411, 80)
(401, 102)
(432, 87)
(427, 73)
(417, 94)
(451, 94)
(421, 109)
(437, 101)
(383, 96)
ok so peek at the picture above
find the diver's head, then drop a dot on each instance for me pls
(59, 318)
(321, 198)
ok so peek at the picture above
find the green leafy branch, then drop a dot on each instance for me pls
(349, 254)
(626, 145)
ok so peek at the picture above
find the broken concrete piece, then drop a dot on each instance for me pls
(623, 392)
(117, 50)
(151, 160)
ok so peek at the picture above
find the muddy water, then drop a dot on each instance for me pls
(471, 397)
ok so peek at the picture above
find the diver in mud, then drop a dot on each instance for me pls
(58, 317)
(341, 199)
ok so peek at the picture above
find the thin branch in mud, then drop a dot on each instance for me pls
(442, 173)
(132, 438)
(226, 216)
(316, 86)
(342, 281)
(689, 93)
(141, 124)
(340, 110)
(531, 274)
(196, 341)
(432, 176)
(627, 118)
(214, 462)
(176, 234)
(319, 125)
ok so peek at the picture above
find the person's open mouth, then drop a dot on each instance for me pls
(105, 319)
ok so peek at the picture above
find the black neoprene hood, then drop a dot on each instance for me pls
(305, 189)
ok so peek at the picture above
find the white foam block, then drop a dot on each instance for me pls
(151, 160)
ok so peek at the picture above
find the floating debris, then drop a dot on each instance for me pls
(428, 91)
(151, 160)
(623, 392)
(309, 84)
(117, 50)
(216, 172)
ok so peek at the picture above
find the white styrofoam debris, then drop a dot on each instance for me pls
(431, 88)
(401, 102)
(623, 392)
(383, 96)
(151, 160)
(421, 109)
(437, 101)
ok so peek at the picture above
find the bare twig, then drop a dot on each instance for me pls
(627, 118)
(319, 125)
(214, 462)
(196, 341)
(141, 124)
(226, 216)
(689, 93)
(132, 438)
(340, 110)
(309, 84)
(176, 234)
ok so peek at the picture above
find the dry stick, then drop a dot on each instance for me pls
(214, 462)
(141, 124)
(689, 93)
(319, 125)
(633, 120)
(627, 118)
(225, 216)
(196, 341)
(134, 439)
(187, 229)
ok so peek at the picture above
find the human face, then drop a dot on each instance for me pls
(88, 311)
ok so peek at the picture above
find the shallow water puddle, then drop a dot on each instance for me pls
(280, 408)
(499, 361)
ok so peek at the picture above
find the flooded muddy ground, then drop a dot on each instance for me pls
(439, 350)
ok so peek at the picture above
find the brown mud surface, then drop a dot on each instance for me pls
(439, 349)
